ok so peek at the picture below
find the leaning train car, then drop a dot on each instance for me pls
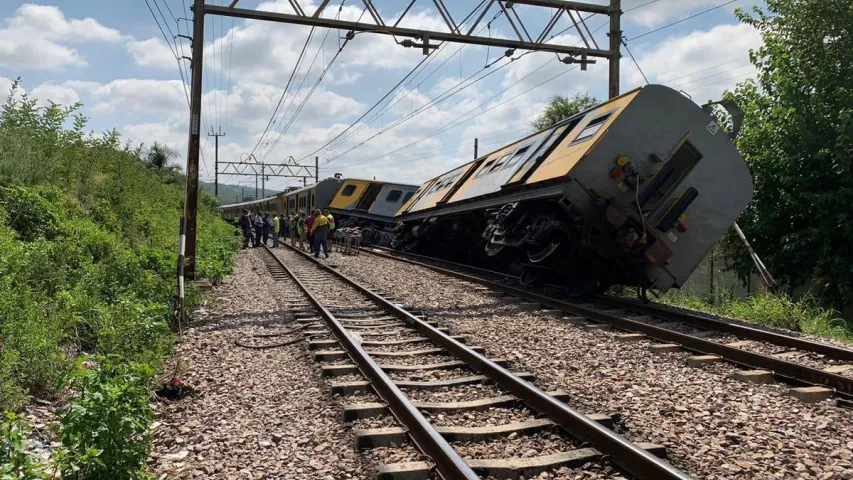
(635, 191)
(370, 206)
(307, 199)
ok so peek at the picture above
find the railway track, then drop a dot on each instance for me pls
(428, 379)
(821, 370)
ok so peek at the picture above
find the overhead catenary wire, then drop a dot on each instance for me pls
(385, 109)
(454, 123)
(284, 92)
(682, 20)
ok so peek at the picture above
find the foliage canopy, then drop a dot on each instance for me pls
(561, 107)
(797, 139)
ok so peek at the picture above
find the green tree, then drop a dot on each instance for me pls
(797, 139)
(159, 156)
(561, 107)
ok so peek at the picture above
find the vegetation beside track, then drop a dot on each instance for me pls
(88, 247)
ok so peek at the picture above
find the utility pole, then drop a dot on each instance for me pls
(194, 142)
(243, 194)
(316, 169)
(615, 44)
(263, 182)
(256, 186)
(475, 148)
(216, 160)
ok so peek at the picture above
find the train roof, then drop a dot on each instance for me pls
(383, 182)
(252, 202)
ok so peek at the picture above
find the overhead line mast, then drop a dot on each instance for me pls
(412, 38)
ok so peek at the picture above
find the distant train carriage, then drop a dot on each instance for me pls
(370, 205)
(307, 199)
(634, 191)
(367, 204)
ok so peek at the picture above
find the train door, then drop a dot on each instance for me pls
(368, 197)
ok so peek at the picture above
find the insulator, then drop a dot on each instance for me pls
(509, 52)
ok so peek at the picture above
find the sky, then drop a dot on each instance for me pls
(113, 57)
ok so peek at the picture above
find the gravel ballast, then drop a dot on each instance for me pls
(260, 413)
(713, 426)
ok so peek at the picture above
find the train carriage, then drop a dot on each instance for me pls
(370, 205)
(634, 191)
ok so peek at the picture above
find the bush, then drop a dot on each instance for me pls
(104, 430)
(16, 461)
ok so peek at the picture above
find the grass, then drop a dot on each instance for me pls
(803, 315)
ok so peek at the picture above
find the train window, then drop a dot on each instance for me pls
(592, 128)
(485, 168)
(517, 156)
(669, 176)
(408, 197)
(393, 196)
(500, 163)
(348, 191)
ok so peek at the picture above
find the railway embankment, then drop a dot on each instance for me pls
(88, 247)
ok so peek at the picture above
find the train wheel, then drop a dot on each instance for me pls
(493, 249)
(537, 255)
(409, 246)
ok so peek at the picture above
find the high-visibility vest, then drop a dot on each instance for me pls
(277, 225)
(331, 220)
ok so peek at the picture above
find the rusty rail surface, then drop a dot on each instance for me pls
(621, 451)
(789, 371)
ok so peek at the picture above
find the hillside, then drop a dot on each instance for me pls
(233, 193)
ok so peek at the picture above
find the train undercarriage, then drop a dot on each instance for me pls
(541, 241)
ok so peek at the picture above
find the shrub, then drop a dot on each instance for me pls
(16, 461)
(104, 430)
(88, 247)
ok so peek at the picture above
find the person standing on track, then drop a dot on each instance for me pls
(246, 227)
(265, 227)
(309, 222)
(294, 232)
(331, 220)
(276, 226)
(320, 233)
(301, 226)
(259, 229)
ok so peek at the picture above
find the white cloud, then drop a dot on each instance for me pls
(59, 94)
(36, 38)
(702, 63)
(131, 95)
(152, 52)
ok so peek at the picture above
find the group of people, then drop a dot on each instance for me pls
(314, 229)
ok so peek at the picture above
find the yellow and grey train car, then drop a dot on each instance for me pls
(634, 191)
(370, 205)
(312, 197)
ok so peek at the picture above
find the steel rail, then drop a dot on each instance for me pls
(832, 351)
(680, 315)
(789, 371)
(448, 463)
(621, 451)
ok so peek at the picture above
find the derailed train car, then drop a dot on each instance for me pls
(368, 205)
(635, 191)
